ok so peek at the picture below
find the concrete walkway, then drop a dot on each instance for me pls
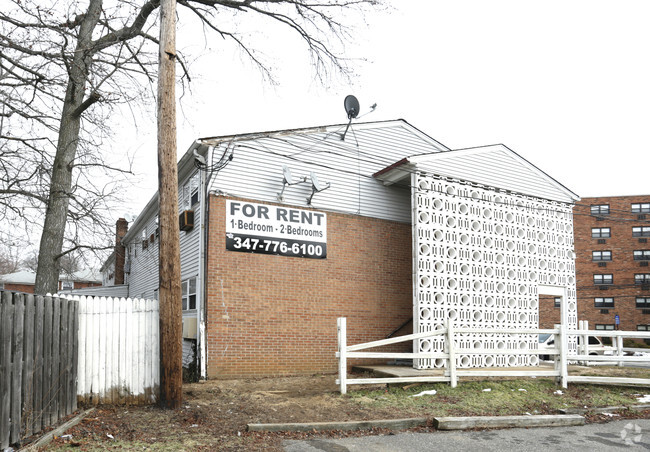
(628, 435)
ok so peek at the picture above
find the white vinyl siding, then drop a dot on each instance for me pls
(143, 277)
(494, 166)
(256, 169)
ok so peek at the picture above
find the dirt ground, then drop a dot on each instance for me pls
(215, 414)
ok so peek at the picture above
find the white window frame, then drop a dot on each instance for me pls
(187, 294)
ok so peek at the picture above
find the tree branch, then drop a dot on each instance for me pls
(94, 97)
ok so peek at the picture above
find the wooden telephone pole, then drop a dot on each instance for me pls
(171, 351)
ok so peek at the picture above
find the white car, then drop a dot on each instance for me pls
(596, 346)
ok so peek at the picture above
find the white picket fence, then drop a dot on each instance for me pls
(560, 354)
(119, 356)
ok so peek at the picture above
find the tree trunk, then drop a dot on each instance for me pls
(47, 271)
(171, 350)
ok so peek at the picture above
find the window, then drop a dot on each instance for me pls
(601, 256)
(600, 302)
(604, 279)
(602, 209)
(641, 207)
(191, 192)
(601, 233)
(642, 255)
(640, 231)
(67, 285)
(605, 326)
(643, 327)
(189, 294)
(557, 302)
(642, 278)
(145, 244)
(643, 302)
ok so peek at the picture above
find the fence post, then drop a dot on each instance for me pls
(343, 365)
(585, 341)
(564, 351)
(619, 349)
(453, 379)
(556, 341)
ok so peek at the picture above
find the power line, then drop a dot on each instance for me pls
(263, 148)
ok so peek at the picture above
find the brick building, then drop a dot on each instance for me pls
(24, 281)
(282, 232)
(612, 253)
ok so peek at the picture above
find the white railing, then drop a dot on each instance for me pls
(560, 354)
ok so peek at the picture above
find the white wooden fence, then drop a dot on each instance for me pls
(118, 350)
(560, 355)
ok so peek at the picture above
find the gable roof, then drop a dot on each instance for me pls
(495, 166)
(386, 131)
(29, 277)
(19, 277)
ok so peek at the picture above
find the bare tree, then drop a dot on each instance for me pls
(64, 66)
(9, 260)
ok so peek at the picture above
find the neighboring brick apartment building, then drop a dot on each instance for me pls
(611, 236)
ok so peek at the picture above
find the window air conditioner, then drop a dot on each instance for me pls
(601, 241)
(186, 220)
(189, 327)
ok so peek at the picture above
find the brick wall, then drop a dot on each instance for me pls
(275, 315)
(623, 266)
(26, 288)
(549, 315)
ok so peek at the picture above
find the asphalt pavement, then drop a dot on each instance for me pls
(626, 435)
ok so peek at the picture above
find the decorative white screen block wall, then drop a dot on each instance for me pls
(481, 255)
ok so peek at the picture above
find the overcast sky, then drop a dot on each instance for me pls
(565, 84)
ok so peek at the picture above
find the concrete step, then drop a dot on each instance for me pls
(544, 420)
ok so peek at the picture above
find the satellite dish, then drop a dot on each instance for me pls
(315, 181)
(316, 186)
(351, 106)
(200, 159)
(288, 180)
(287, 174)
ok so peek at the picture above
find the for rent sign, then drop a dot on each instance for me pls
(266, 229)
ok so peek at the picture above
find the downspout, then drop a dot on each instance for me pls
(203, 267)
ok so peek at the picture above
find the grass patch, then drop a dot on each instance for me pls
(494, 397)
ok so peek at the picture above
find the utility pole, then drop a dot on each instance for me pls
(171, 351)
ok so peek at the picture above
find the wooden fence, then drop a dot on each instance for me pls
(38, 361)
(560, 354)
(58, 350)
(118, 351)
